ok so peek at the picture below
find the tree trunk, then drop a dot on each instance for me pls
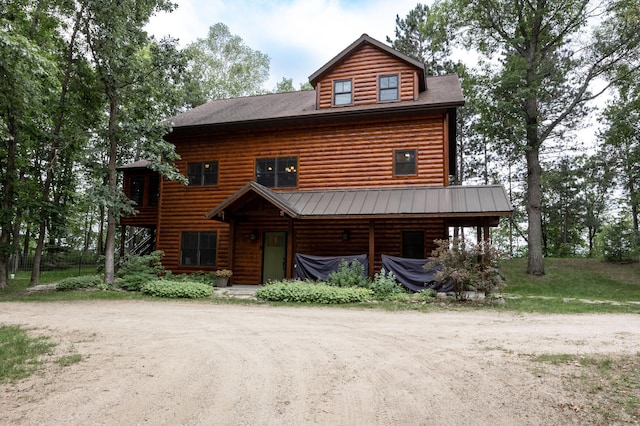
(110, 244)
(8, 194)
(534, 212)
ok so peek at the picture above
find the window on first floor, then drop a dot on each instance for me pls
(388, 88)
(205, 173)
(405, 162)
(277, 172)
(198, 248)
(342, 92)
(413, 244)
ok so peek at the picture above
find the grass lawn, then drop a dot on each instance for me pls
(569, 282)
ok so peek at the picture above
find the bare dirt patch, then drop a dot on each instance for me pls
(201, 363)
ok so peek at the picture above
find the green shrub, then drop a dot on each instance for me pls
(349, 275)
(150, 264)
(177, 289)
(305, 292)
(384, 285)
(76, 283)
(135, 281)
(467, 266)
(619, 242)
(208, 278)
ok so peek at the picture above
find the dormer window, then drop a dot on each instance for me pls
(388, 88)
(342, 92)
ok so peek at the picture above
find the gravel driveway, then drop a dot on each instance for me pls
(199, 363)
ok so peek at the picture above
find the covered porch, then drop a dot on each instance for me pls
(268, 227)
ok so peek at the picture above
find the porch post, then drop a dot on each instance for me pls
(290, 248)
(232, 233)
(372, 247)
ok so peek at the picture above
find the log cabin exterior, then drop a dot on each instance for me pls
(360, 165)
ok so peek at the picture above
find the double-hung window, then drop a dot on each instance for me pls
(342, 92)
(388, 88)
(205, 173)
(277, 172)
(136, 190)
(198, 249)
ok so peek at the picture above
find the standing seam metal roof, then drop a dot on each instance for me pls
(448, 201)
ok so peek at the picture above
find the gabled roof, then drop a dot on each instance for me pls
(444, 92)
(448, 201)
(365, 39)
(140, 164)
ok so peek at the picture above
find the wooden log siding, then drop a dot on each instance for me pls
(363, 68)
(354, 155)
(146, 216)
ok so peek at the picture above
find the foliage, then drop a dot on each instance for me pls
(619, 242)
(148, 264)
(349, 275)
(139, 270)
(207, 278)
(424, 35)
(306, 292)
(467, 266)
(19, 352)
(177, 289)
(542, 60)
(384, 285)
(222, 66)
(80, 282)
(224, 273)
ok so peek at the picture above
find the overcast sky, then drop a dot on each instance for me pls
(298, 35)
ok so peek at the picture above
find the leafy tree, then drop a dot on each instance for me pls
(222, 66)
(621, 141)
(546, 55)
(135, 74)
(27, 76)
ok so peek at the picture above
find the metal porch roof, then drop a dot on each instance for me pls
(447, 201)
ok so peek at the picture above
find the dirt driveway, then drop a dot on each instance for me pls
(198, 363)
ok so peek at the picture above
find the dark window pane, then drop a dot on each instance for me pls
(194, 171)
(287, 172)
(210, 172)
(198, 249)
(413, 244)
(405, 162)
(137, 190)
(154, 190)
(266, 172)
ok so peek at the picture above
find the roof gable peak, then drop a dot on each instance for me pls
(365, 39)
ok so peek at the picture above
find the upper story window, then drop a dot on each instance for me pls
(342, 92)
(277, 172)
(205, 173)
(136, 190)
(388, 87)
(405, 162)
(144, 190)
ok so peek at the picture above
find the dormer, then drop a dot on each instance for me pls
(365, 73)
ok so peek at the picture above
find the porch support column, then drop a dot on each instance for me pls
(372, 247)
(123, 238)
(232, 244)
(290, 249)
(486, 232)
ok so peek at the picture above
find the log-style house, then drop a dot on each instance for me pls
(360, 165)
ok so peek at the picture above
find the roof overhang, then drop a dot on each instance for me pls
(463, 205)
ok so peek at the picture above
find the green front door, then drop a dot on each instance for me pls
(274, 256)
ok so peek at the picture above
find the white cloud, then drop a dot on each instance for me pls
(298, 35)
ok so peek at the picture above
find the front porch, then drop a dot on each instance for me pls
(267, 228)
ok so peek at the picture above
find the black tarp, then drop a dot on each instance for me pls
(318, 268)
(411, 274)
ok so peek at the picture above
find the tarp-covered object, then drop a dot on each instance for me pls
(318, 268)
(411, 274)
